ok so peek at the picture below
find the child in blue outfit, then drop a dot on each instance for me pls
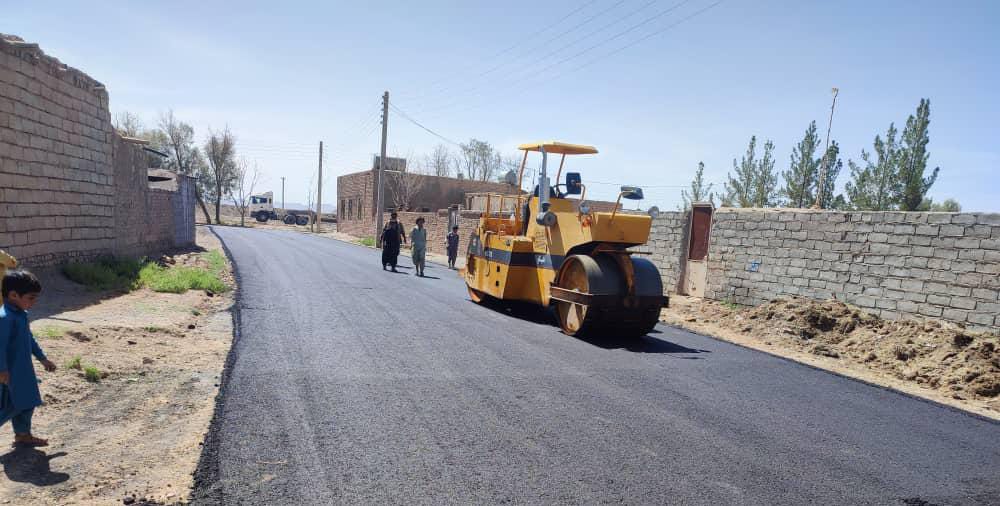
(19, 395)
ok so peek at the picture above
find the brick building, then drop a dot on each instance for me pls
(356, 193)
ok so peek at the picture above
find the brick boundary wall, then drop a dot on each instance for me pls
(70, 187)
(436, 224)
(894, 264)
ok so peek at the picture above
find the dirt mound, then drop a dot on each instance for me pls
(940, 356)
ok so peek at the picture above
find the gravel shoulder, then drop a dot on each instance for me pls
(138, 430)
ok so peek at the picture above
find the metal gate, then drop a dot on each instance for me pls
(696, 267)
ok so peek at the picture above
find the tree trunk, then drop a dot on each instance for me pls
(218, 206)
(201, 202)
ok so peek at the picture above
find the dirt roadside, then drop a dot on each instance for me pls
(138, 430)
(940, 362)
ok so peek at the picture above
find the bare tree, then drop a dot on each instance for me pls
(185, 158)
(439, 162)
(220, 152)
(404, 187)
(127, 124)
(311, 199)
(245, 178)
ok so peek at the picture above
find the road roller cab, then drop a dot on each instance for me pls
(547, 247)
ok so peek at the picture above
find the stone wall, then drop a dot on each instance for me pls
(895, 264)
(70, 187)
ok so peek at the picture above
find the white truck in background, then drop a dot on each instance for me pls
(262, 210)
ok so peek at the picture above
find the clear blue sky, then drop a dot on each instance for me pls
(285, 75)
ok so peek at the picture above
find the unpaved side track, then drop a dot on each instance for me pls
(348, 384)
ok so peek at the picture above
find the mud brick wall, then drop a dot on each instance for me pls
(56, 181)
(895, 264)
(130, 198)
(184, 202)
(70, 187)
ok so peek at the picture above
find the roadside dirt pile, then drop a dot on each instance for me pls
(935, 355)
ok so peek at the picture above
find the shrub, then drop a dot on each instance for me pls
(51, 332)
(130, 274)
(368, 241)
(74, 363)
(92, 374)
(107, 273)
(216, 261)
(179, 279)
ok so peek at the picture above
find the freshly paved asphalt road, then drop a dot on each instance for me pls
(348, 384)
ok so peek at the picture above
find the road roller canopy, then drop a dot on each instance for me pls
(562, 148)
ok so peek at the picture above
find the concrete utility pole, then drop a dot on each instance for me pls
(282, 192)
(822, 169)
(319, 191)
(379, 202)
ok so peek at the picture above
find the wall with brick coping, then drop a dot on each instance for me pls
(70, 187)
(895, 264)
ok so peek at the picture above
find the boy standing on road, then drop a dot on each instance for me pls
(19, 395)
(418, 240)
(452, 246)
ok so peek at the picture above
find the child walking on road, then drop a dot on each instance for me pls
(19, 395)
(418, 240)
(452, 246)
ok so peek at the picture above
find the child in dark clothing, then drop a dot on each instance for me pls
(452, 246)
(19, 395)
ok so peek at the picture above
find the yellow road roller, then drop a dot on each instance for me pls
(546, 248)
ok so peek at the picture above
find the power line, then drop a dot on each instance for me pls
(527, 76)
(512, 89)
(521, 41)
(528, 72)
(407, 117)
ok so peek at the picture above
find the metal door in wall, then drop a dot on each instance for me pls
(696, 267)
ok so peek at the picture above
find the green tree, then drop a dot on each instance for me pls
(700, 192)
(829, 198)
(913, 159)
(176, 138)
(800, 178)
(220, 153)
(756, 182)
(876, 186)
(948, 206)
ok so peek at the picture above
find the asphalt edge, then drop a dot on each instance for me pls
(835, 373)
(206, 487)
